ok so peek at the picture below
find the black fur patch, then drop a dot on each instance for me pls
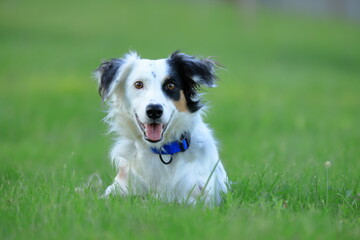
(173, 94)
(189, 74)
(107, 71)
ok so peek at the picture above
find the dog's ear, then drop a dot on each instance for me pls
(194, 73)
(106, 75)
(200, 71)
(111, 72)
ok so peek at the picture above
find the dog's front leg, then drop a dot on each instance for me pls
(120, 184)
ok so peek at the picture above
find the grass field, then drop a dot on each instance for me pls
(288, 101)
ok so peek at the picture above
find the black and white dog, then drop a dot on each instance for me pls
(163, 147)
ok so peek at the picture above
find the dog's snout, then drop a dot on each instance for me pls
(154, 111)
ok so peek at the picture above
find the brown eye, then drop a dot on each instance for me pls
(170, 86)
(138, 85)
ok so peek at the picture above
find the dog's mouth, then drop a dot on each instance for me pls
(153, 132)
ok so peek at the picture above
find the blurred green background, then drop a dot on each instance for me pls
(288, 99)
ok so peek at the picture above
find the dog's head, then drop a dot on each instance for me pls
(156, 91)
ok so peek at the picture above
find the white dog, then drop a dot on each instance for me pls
(163, 147)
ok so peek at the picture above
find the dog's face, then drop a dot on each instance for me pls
(156, 91)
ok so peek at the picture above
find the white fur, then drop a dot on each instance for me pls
(139, 171)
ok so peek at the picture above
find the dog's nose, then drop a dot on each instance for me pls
(154, 111)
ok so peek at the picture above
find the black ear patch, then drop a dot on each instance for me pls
(192, 73)
(106, 75)
(201, 71)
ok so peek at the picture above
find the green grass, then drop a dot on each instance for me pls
(288, 101)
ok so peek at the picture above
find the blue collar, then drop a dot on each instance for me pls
(174, 147)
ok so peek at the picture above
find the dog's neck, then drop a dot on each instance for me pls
(171, 148)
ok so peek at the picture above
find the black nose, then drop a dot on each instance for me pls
(154, 111)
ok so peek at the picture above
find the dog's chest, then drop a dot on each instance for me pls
(155, 175)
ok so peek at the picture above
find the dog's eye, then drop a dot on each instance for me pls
(138, 85)
(170, 85)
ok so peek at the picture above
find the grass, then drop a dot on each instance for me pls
(287, 102)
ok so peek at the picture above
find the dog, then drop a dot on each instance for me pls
(163, 147)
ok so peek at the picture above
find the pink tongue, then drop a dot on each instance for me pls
(154, 131)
